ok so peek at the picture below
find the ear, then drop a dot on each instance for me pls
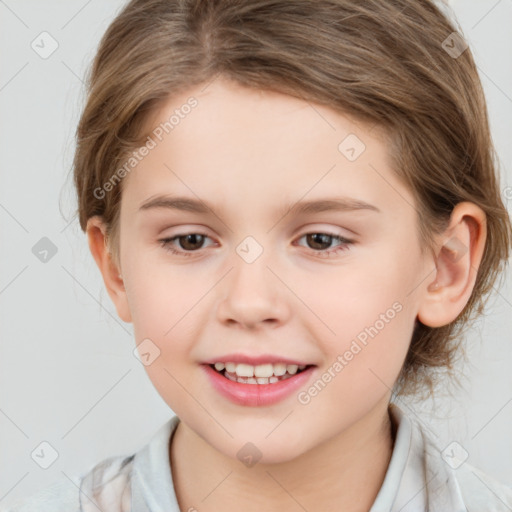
(96, 234)
(457, 260)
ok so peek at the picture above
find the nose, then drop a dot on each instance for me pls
(253, 296)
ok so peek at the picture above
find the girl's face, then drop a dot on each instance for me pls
(283, 264)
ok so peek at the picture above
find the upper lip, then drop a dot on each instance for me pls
(254, 360)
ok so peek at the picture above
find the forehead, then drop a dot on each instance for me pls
(260, 147)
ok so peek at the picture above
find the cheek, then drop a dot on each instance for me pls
(370, 318)
(363, 360)
(162, 295)
(162, 305)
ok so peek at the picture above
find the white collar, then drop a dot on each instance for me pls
(417, 477)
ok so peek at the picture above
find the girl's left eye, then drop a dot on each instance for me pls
(321, 238)
(192, 242)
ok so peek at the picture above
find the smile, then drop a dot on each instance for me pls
(269, 373)
(261, 384)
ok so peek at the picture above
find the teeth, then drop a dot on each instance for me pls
(256, 380)
(292, 369)
(264, 370)
(230, 367)
(244, 370)
(260, 374)
(279, 369)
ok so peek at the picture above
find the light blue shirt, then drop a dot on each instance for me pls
(419, 478)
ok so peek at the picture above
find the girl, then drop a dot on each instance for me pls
(296, 205)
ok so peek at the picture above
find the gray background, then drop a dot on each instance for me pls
(68, 375)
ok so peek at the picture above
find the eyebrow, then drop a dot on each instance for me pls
(298, 208)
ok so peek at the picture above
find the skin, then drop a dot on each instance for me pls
(249, 154)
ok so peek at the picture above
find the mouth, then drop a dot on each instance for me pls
(262, 374)
(261, 384)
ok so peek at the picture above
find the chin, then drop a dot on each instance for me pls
(263, 451)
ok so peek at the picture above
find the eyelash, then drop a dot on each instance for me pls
(345, 243)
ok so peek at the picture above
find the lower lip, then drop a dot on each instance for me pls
(256, 394)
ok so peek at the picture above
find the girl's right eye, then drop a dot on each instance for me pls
(188, 239)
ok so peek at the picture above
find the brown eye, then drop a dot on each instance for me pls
(185, 244)
(191, 242)
(319, 243)
(319, 240)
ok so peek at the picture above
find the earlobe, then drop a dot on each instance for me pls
(96, 234)
(456, 261)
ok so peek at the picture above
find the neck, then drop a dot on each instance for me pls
(343, 473)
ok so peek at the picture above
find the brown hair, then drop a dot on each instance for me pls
(383, 62)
